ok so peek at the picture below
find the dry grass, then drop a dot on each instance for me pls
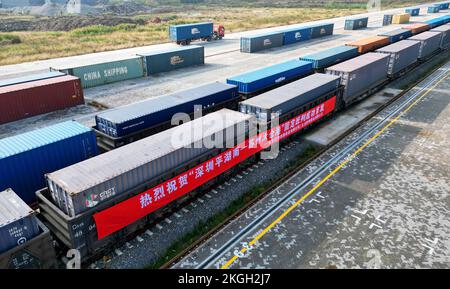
(45, 45)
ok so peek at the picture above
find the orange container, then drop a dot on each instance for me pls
(417, 28)
(368, 44)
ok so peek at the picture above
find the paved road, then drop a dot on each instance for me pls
(378, 199)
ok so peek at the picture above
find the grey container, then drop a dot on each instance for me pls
(445, 37)
(361, 74)
(321, 30)
(387, 19)
(18, 222)
(260, 42)
(286, 98)
(402, 54)
(429, 43)
(87, 184)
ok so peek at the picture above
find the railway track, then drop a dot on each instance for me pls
(293, 171)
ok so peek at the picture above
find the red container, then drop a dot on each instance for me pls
(38, 97)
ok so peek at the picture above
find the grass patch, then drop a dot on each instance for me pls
(6, 39)
(204, 227)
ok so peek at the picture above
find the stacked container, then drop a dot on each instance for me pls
(429, 43)
(387, 19)
(30, 78)
(417, 28)
(330, 56)
(106, 72)
(26, 158)
(413, 11)
(397, 35)
(402, 54)
(268, 77)
(294, 35)
(146, 114)
(254, 43)
(400, 18)
(445, 36)
(77, 188)
(369, 43)
(361, 74)
(357, 23)
(38, 97)
(18, 223)
(174, 58)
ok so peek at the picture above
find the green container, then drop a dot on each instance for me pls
(106, 72)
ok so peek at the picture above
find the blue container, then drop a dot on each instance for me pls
(30, 78)
(190, 31)
(397, 35)
(321, 30)
(438, 21)
(331, 56)
(443, 6)
(174, 58)
(26, 158)
(272, 76)
(146, 114)
(254, 43)
(413, 11)
(356, 23)
(294, 35)
(433, 9)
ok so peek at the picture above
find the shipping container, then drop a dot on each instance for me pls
(282, 100)
(433, 9)
(129, 119)
(330, 56)
(30, 78)
(438, 21)
(174, 58)
(413, 11)
(387, 19)
(18, 223)
(26, 158)
(370, 43)
(400, 18)
(38, 97)
(445, 36)
(84, 185)
(417, 27)
(188, 32)
(97, 74)
(444, 6)
(357, 23)
(37, 253)
(429, 43)
(361, 75)
(321, 30)
(397, 35)
(254, 43)
(269, 77)
(402, 54)
(294, 35)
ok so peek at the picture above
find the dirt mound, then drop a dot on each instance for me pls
(63, 23)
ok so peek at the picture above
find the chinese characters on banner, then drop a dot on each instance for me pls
(139, 206)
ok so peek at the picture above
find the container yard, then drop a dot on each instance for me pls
(107, 154)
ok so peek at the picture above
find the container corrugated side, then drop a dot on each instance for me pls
(397, 35)
(413, 11)
(250, 44)
(29, 156)
(331, 56)
(18, 222)
(387, 19)
(402, 55)
(445, 37)
(294, 35)
(400, 18)
(190, 31)
(171, 59)
(288, 97)
(38, 97)
(370, 43)
(95, 181)
(417, 27)
(322, 30)
(107, 72)
(356, 23)
(430, 42)
(267, 77)
(145, 114)
(360, 74)
(30, 78)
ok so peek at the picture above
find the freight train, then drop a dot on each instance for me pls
(93, 202)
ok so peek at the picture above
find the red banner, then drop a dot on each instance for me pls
(139, 206)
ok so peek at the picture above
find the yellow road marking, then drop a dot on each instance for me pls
(337, 169)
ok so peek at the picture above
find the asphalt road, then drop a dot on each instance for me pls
(377, 199)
